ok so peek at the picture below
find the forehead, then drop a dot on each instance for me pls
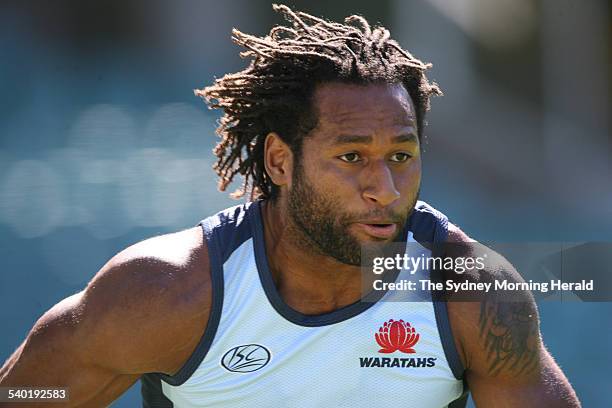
(363, 106)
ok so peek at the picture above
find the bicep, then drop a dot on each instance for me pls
(499, 340)
(509, 365)
(141, 313)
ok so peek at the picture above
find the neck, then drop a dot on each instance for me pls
(308, 281)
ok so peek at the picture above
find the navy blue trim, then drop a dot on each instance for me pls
(429, 226)
(224, 232)
(216, 275)
(261, 260)
(460, 402)
(448, 342)
(231, 228)
(151, 392)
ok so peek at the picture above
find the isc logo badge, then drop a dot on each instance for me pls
(245, 359)
(397, 335)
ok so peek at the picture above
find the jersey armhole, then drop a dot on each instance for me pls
(448, 343)
(444, 328)
(216, 275)
(430, 225)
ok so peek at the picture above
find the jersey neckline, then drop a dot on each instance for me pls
(274, 297)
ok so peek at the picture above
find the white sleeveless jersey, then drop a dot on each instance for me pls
(258, 352)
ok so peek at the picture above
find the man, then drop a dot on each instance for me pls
(260, 304)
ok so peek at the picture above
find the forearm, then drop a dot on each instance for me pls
(55, 355)
(8, 364)
(84, 386)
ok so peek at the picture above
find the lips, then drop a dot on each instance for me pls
(384, 230)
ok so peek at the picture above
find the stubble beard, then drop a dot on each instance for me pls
(318, 226)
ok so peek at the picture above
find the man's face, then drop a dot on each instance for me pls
(360, 170)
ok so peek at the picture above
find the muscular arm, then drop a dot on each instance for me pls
(499, 340)
(143, 312)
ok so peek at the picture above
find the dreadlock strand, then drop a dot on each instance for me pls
(308, 53)
(276, 31)
(291, 16)
(327, 24)
(367, 31)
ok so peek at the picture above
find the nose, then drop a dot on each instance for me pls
(380, 185)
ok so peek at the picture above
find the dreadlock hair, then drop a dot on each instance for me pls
(273, 94)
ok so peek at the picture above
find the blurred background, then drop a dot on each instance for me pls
(103, 144)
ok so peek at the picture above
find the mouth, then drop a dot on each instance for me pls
(381, 230)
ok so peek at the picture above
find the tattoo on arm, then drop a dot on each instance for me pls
(510, 333)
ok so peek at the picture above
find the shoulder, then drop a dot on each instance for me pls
(163, 262)
(495, 332)
(494, 266)
(150, 302)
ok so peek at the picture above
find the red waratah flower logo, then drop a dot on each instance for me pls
(396, 335)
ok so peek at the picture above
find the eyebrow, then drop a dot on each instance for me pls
(361, 139)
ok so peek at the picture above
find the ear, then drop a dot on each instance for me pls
(278, 159)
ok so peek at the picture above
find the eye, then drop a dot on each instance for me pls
(399, 157)
(350, 157)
